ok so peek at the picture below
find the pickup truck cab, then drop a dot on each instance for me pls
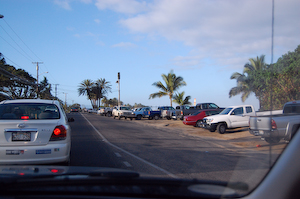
(231, 117)
(273, 128)
(122, 111)
(142, 113)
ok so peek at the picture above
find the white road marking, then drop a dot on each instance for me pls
(128, 153)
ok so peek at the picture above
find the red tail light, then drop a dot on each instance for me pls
(273, 124)
(59, 133)
(24, 117)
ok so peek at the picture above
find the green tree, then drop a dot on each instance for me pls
(245, 80)
(172, 84)
(86, 88)
(45, 90)
(100, 89)
(15, 83)
(180, 100)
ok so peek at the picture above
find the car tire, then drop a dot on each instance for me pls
(221, 128)
(169, 118)
(272, 140)
(198, 123)
(156, 117)
(138, 117)
(150, 117)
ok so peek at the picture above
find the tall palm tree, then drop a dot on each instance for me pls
(245, 81)
(178, 98)
(85, 88)
(101, 88)
(172, 84)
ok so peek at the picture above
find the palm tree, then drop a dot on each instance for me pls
(85, 88)
(245, 84)
(178, 98)
(101, 87)
(173, 83)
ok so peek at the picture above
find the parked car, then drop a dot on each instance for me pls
(187, 110)
(142, 113)
(231, 117)
(196, 118)
(122, 111)
(107, 111)
(273, 128)
(100, 111)
(34, 131)
(164, 109)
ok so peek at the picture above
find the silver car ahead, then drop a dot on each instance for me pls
(34, 131)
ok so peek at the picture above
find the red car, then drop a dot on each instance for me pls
(196, 118)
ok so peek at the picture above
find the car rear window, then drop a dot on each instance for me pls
(28, 111)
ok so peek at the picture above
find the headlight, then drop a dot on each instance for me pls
(210, 120)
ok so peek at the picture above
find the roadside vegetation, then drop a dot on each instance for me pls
(273, 85)
(167, 88)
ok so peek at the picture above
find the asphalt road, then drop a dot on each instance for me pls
(104, 142)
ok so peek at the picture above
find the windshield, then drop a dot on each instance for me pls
(28, 111)
(168, 55)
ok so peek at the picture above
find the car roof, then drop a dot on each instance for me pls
(30, 101)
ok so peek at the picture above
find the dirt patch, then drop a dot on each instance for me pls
(239, 137)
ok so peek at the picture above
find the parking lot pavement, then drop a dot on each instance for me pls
(239, 137)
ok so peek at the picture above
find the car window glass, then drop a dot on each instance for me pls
(29, 111)
(238, 111)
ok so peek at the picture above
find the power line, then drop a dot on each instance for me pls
(16, 43)
(21, 39)
(15, 48)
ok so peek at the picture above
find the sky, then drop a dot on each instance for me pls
(204, 42)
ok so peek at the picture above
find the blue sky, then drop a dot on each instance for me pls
(202, 41)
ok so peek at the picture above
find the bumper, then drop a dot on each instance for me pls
(263, 133)
(208, 126)
(189, 122)
(51, 153)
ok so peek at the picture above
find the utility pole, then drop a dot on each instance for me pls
(65, 99)
(119, 101)
(37, 77)
(56, 90)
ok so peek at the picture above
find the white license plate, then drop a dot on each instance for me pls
(261, 132)
(21, 136)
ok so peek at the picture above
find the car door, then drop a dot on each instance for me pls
(238, 118)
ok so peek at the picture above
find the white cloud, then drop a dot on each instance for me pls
(219, 30)
(124, 45)
(65, 4)
(97, 21)
(122, 6)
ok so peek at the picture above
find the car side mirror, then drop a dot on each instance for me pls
(71, 119)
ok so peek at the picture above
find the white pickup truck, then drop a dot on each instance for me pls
(231, 117)
(122, 111)
(273, 128)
